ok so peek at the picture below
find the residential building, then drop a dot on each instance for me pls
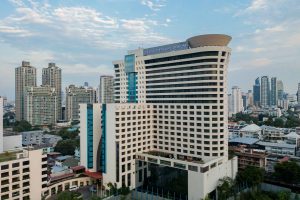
(265, 92)
(25, 76)
(41, 105)
(273, 92)
(272, 134)
(281, 149)
(51, 76)
(250, 157)
(106, 89)
(256, 92)
(23, 174)
(237, 100)
(280, 90)
(170, 112)
(75, 96)
(1, 124)
(38, 138)
(250, 98)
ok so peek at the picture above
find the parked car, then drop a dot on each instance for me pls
(73, 188)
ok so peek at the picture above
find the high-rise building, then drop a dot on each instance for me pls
(265, 91)
(1, 124)
(171, 113)
(274, 92)
(256, 92)
(106, 89)
(51, 76)
(41, 105)
(75, 96)
(280, 90)
(237, 100)
(250, 98)
(298, 93)
(23, 174)
(86, 84)
(25, 76)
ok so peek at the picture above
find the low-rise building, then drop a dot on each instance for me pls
(249, 157)
(281, 149)
(272, 134)
(252, 131)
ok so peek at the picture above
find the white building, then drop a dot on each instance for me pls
(251, 131)
(237, 101)
(23, 174)
(171, 110)
(106, 89)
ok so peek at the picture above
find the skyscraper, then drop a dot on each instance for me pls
(256, 92)
(74, 97)
(250, 98)
(265, 91)
(171, 113)
(237, 100)
(51, 76)
(280, 90)
(41, 105)
(273, 96)
(25, 76)
(106, 89)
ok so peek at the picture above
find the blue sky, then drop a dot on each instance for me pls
(84, 37)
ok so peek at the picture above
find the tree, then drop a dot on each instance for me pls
(66, 195)
(278, 123)
(251, 175)
(284, 195)
(225, 188)
(21, 126)
(288, 172)
(66, 147)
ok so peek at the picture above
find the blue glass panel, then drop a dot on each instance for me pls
(166, 48)
(90, 135)
(129, 63)
(103, 141)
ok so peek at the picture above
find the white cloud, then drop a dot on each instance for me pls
(154, 5)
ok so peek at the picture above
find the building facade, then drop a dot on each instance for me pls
(298, 93)
(75, 96)
(256, 92)
(265, 91)
(170, 110)
(106, 89)
(237, 100)
(23, 174)
(51, 76)
(41, 105)
(25, 76)
(280, 90)
(273, 92)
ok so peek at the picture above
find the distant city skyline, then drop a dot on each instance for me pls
(83, 38)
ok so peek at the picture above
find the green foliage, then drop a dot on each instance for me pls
(254, 195)
(288, 172)
(251, 175)
(245, 117)
(66, 195)
(65, 134)
(225, 188)
(284, 195)
(66, 147)
(21, 126)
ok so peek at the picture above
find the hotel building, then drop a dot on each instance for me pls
(170, 110)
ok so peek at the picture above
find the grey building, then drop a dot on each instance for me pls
(265, 91)
(51, 76)
(74, 97)
(280, 90)
(273, 92)
(256, 92)
(25, 76)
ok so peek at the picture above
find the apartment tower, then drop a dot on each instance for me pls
(51, 76)
(25, 76)
(265, 91)
(106, 89)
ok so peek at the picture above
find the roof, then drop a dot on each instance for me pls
(70, 162)
(76, 168)
(292, 135)
(244, 140)
(55, 178)
(280, 145)
(56, 169)
(62, 158)
(95, 175)
(209, 40)
(251, 128)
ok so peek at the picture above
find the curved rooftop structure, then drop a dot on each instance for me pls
(209, 40)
